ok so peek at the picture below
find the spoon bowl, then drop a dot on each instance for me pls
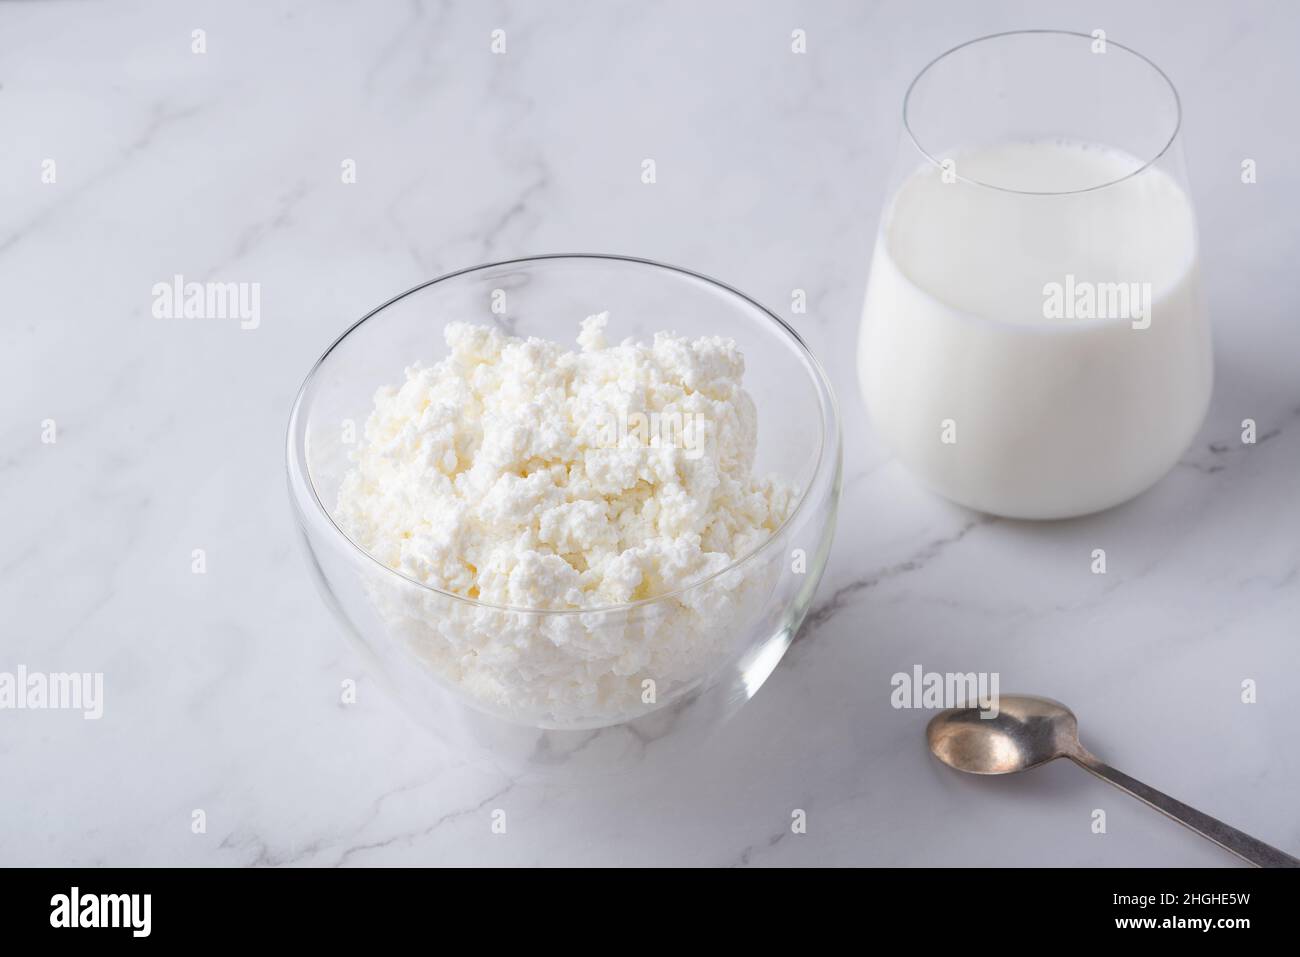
(1024, 732)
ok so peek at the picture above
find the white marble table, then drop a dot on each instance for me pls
(222, 689)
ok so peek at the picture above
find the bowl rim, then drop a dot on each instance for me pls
(828, 445)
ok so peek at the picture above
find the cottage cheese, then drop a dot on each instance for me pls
(525, 476)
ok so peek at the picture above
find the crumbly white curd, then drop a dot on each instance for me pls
(525, 476)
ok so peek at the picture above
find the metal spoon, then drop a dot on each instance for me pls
(1029, 731)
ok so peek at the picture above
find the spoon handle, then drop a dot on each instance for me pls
(1238, 842)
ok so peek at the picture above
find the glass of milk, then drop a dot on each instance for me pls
(1033, 339)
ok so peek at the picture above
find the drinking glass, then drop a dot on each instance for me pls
(1033, 341)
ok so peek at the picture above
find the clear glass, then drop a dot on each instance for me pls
(735, 626)
(1034, 342)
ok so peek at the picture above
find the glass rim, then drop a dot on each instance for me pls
(299, 476)
(1147, 163)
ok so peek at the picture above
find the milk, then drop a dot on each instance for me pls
(1036, 356)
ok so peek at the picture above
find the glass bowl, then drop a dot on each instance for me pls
(727, 632)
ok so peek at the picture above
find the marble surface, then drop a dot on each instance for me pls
(222, 689)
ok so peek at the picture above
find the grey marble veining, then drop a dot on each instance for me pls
(222, 689)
